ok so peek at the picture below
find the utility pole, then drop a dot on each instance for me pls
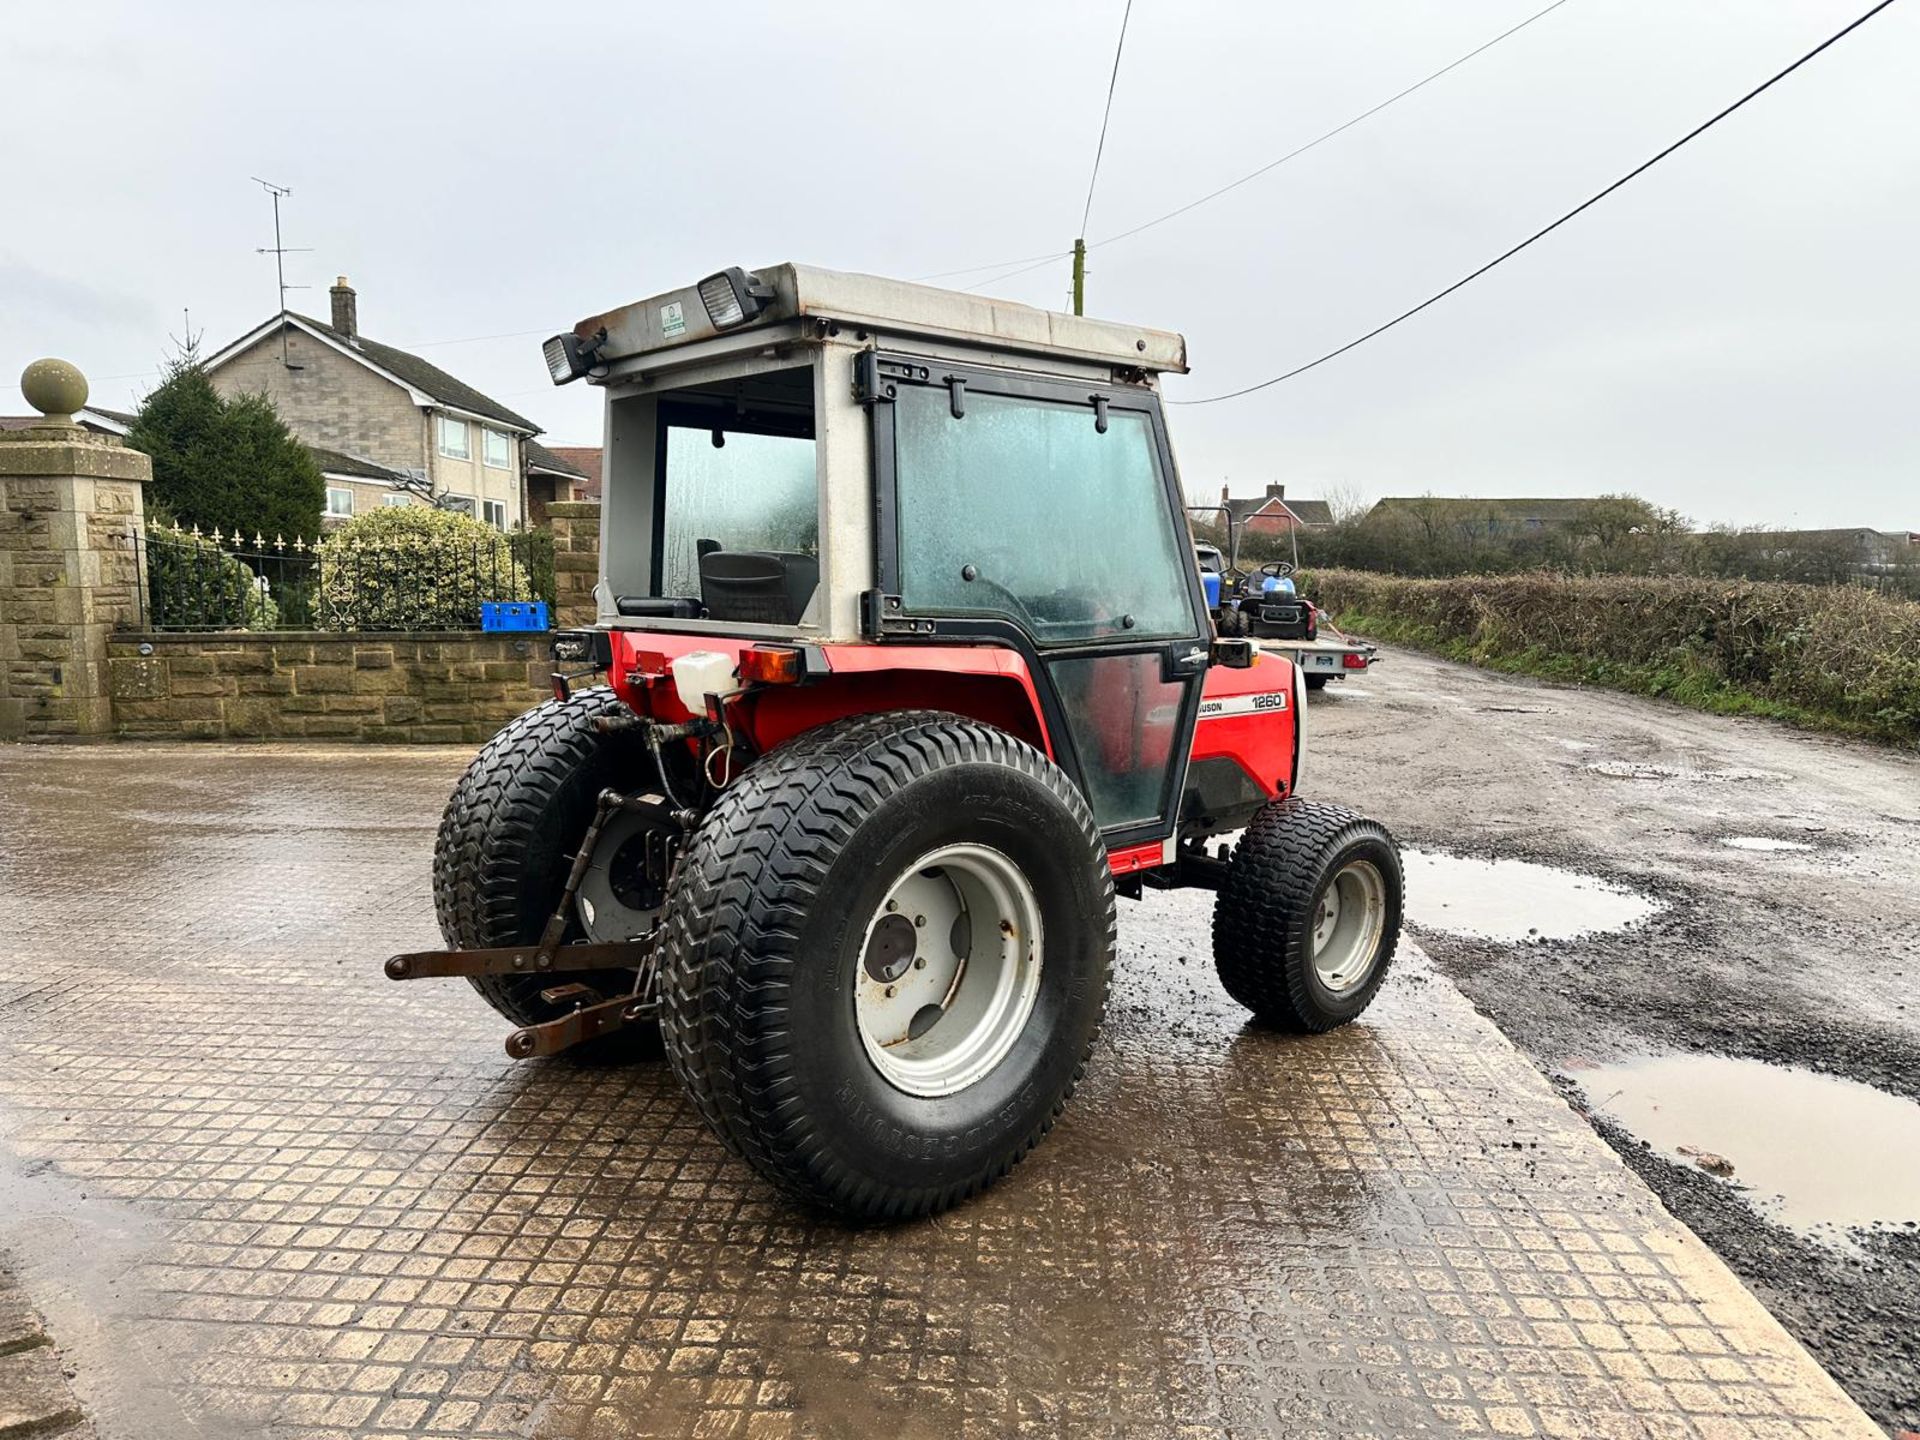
(279, 252)
(1080, 277)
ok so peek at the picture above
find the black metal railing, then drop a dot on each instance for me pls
(195, 581)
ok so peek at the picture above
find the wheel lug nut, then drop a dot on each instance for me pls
(920, 921)
(890, 990)
(892, 905)
(920, 962)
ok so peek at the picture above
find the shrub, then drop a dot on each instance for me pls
(1840, 656)
(415, 569)
(192, 584)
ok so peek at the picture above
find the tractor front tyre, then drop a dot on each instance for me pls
(1233, 622)
(1308, 915)
(886, 958)
(507, 841)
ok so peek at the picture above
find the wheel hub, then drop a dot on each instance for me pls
(1349, 920)
(950, 969)
(624, 887)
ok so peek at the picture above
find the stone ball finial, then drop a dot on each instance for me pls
(55, 388)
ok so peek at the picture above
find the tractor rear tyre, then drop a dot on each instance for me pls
(886, 957)
(1307, 918)
(508, 838)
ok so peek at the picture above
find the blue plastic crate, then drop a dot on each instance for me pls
(513, 615)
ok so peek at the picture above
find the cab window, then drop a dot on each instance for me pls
(1024, 508)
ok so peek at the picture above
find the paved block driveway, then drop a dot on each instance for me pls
(258, 1189)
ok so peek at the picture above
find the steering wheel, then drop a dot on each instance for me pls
(1278, 569)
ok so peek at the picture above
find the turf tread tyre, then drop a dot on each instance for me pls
(510, 829)
(732, 955)
(1263, 914)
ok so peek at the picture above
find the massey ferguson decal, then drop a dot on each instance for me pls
(1243, 704)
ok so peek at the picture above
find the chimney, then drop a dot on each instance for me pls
(346, 308)
(1274, 492)
(1223, 497)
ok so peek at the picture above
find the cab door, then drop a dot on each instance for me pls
(1046, 516)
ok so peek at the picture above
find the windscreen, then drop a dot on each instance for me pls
(748, 493)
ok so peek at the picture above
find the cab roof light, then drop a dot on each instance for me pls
(733, 297)
(772, 665)
(569, 357)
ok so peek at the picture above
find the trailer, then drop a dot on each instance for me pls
(1329, 656)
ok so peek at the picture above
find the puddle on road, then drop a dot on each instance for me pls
(1818, 1154)
(1638, 770)
(1514, 900)
(1762, 842)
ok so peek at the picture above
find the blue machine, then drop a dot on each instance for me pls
(1211, 584)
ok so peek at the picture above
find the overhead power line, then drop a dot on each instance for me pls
(1547, 230)
(1106, 114)
(1033, 262)
(1337, 130)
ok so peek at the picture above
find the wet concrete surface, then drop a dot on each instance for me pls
(259, 1190)
(1803, 957)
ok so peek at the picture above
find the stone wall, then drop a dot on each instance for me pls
(314, 685)
(576, 560)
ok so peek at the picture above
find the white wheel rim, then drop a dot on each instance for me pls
(948, 970)
(1348, 922)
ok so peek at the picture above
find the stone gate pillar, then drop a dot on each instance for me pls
(70, 518)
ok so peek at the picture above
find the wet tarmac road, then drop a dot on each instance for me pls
(1786, 866)
(257, 1189)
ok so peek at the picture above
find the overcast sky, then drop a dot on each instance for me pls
(1732, 335)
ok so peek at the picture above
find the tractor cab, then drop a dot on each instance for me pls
(903, 668)
(801, 456)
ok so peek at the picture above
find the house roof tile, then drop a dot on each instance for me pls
(423, 375)
(540, 457)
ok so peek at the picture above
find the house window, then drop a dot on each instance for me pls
(396, 500)
(453, 438)
(459, 504)
(493, 448)
(339, 500)
(495, 513)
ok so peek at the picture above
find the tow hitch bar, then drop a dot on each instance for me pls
(551, 957)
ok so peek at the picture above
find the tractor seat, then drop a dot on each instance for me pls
(757, 587)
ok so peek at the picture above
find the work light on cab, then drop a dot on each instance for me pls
(568, 357)
(733, 297)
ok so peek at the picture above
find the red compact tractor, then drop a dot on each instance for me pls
(903, 670)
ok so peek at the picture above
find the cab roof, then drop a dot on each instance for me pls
(890, 308)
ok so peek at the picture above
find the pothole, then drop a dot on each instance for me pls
(1815, 1153)
(1514, 901)
(1762, 842)
(1640, 770)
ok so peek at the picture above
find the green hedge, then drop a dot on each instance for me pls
(416, 568)
(193, 584)
(1835, 656)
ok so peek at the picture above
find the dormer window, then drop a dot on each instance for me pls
(453, 438)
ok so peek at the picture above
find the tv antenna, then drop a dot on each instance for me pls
(280, 251)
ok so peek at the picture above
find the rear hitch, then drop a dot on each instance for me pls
(550, 956)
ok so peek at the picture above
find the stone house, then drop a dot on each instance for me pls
(551, 476)
(387, 427)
